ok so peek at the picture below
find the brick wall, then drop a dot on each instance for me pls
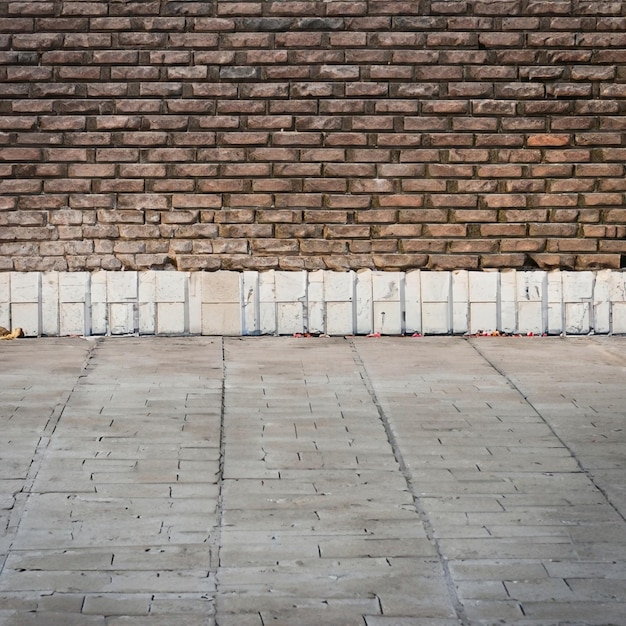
(383, 134)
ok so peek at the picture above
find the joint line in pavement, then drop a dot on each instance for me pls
(406, 473)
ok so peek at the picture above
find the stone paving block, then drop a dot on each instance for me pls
(51, 619)
(377, 620)
(117, 604)
(161, 620)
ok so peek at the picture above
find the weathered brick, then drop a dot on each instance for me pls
(492, 114)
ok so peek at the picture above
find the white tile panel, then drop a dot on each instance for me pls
(388, 318)
(171, 318)
(555, 312)
(508, 304)
(290, 286)
(25, 287)
(26, 315)
(530, 317)
(436, 318)
(74, 287)
(50, 304)
(531, 286)
(339, 318)
(602, 302)
(363, 305)
(460, 301)
(577, 317)
(435, 286)
(221, 287)
(483, 286)
(618, 318)
(122, 286)
(289, 318)
(221, 318)
(483, 317)
(73, 319)
(412, 303)
(171, 286)
(577, 286)
(250, 303)
(121, 318)
(147, 318)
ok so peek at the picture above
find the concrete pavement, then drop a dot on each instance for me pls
(434, 481)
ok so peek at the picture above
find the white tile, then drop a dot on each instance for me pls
(171, 318)
(435, 286)
(363, 308)
(483, 286)
(267, 286)
(577, 316)
(386, 286)
(99, 318)
(617, 291)
(250, 299)
(5, 314)
(577, 286)
(460, 286)
(289, 318)
(223, 286)
(72, 317)
(74, 287)
(267, 318)
(412, 302)
(602, 303)
(147, 318)
(147, 286)
(315, 287)
(194, 303)
(483, 317)
(618, 318)
(171, 287)
(339, 318)
(508, 317)
(508, 304)
(436, 318)
(121, 318)
(122, 286)
(555, 313)
(530, 317)
(25, 287)
(316, 317)
(221, 318)
(555, 318)
(290, 286)
(50, 304)
(531, 286)
(26, 315)
(460, 301)
(5, 287)
(388, 318)
(338, 286)
(98, 287)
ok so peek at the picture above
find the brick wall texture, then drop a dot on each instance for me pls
(307, 134)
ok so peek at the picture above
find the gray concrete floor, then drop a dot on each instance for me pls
(358, 481)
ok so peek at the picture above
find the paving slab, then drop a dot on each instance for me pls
(432, 481)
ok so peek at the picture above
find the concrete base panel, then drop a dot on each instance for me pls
(319, 303)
